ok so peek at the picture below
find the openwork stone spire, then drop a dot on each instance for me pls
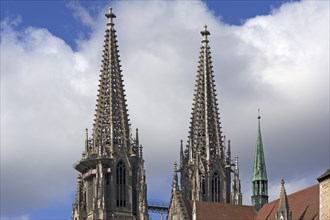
(205, 133)
(205, 169)
(111, 127)
(112, 183)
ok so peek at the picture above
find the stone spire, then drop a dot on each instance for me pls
(205, 127)
(79, 209)
(259, 178)
(111, 124)
(204, 161)
(236, 194)
(283, 212)
(112, 183)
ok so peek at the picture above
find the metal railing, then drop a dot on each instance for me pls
(158, 207)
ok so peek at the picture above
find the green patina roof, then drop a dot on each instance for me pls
(259, 166)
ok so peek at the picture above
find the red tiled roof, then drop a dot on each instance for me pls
(303, 204)
(219, 211)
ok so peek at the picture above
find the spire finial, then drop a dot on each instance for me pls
(259, 113)
(282, 182)
(110, 15)
(205, 33)
(137, 137)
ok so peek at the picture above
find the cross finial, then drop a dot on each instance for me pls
(110, 15)
(205, 33)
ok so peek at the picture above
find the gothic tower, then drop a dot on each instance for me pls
(111, 183)
(259, 178)
(205, 165)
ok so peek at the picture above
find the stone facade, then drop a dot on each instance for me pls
(111, 183)
(324, 186)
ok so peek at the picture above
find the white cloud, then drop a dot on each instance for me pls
(278, 62)
(22, 217)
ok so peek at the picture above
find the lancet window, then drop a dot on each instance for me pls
(121, 184)
(215, 187)
(202, 186)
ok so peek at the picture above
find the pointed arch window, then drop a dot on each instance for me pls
(215, 183)
(121, 184)
(202, 185)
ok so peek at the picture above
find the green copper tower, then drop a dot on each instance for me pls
(259, 179)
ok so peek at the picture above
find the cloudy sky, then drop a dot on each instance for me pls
(273, 56)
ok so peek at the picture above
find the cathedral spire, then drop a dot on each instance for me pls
(111, 127)
(205, 127)
(205, 175)
(259, 178)
(112, 183)
(283, 212)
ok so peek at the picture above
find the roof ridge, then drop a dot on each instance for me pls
(223, 203)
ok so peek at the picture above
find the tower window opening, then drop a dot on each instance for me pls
(121, 184)
(107, 179)
(215, 187)
(203, 185)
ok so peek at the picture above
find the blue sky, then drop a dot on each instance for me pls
(268, 54)
(57, 16)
